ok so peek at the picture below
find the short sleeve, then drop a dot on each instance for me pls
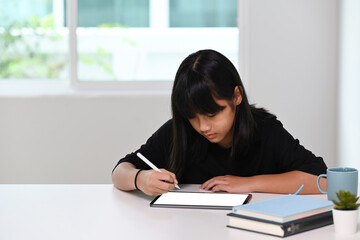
(290, 155)
(157, 149)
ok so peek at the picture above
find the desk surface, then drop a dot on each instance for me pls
(103, 212)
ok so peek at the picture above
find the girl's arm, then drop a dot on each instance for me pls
(148, 181)
(123, 176)
(285, 183)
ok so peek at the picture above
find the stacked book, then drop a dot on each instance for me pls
(282, 216)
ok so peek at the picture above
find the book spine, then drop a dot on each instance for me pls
(292, 228)
(286, 228)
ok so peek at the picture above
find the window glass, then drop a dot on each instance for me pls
(136, 40)
(33, 44)
(147, 40)
(126, 13)
(203, 13)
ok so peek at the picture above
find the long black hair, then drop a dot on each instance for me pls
(202, 76)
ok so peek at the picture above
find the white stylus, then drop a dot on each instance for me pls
(151, 165)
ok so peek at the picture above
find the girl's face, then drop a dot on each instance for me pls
(218, 128)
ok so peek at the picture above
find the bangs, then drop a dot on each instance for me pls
(197, 97)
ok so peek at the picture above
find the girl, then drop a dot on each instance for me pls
(215, 138)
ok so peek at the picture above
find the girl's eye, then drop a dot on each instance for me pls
(211, 115)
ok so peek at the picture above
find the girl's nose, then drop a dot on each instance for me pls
(204, 124)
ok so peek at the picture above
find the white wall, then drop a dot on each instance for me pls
(349, 127)
(77, 138)
(73, 139)
(292, 68)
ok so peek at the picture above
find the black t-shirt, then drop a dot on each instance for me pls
(273, 151)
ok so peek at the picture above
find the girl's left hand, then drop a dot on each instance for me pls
(229, 183)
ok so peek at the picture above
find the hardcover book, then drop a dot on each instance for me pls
(280, 229)
(284, 208)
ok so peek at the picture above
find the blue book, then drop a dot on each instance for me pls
(284, 208)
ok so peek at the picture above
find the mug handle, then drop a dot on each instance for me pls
(318, 182)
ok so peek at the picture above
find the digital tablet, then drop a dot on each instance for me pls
(204, 200)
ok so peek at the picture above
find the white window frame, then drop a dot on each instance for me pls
(128, 85)
(125, 85)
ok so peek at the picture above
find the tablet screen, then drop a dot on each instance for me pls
(200, 200)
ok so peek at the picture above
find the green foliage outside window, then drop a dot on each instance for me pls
(23, 55)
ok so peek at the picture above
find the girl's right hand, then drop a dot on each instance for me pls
(155, 183)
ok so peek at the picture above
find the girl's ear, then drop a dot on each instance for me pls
(237, 96)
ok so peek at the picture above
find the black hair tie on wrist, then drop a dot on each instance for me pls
(136, 179)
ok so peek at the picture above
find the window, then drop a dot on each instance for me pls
(114, 40)
(33, 45)
(204, 13)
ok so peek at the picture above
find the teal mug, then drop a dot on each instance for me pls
(339, 179)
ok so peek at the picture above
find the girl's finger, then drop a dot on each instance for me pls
(173, 176)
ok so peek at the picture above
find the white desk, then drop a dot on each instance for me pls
(102, 212)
